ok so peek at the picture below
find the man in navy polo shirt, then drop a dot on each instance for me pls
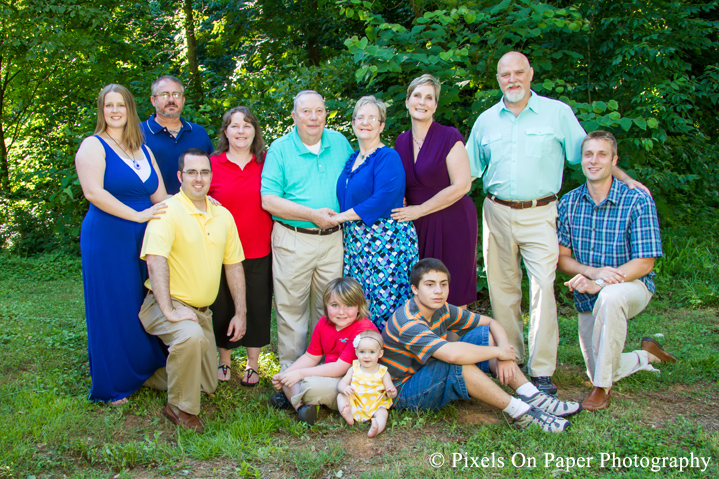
(167, 134)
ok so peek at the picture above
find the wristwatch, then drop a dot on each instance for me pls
(600, 282)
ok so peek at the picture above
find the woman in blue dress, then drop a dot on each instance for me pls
(118, 175)
(379, 251)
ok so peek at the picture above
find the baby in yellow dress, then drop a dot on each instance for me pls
(366, 391)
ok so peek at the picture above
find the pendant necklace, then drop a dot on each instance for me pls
(135, 163)
(418, 143)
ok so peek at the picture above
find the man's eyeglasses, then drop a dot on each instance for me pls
(193, 173)
(165, 95)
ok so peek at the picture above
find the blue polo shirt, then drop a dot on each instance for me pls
(293, 172)
(167, 149)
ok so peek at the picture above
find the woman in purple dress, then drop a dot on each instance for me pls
(438, 180)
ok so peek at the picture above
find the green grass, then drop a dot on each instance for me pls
(49, 429)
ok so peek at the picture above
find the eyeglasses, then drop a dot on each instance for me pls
(165, 95)
(193, 173)
(368, 119)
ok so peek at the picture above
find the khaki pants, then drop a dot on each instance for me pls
(602, 334)
(302, 265)
(531, 235)
(192, 363)
(317, 390)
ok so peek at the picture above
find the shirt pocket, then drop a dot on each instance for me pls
(539, 142)
(489, 146)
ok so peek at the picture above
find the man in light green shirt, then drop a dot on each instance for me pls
(518, 148)
(299, 189)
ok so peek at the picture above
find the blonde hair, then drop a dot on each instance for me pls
(348, 291)
(371, 334)
(371, 100)
(425, 79)
(131, 133)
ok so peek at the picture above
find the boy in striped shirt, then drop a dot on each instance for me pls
(430, 372)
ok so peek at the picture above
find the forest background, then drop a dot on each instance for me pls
(648, 70)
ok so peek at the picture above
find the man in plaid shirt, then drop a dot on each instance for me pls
(608, 240)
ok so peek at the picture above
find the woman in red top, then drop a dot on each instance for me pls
(236, 172)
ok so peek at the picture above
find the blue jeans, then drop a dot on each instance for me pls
(438, 383)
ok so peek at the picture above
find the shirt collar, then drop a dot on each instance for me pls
(156, 128)
(613, 195)
(531, 104)
(301, 148)
(223, 158)
(190, 207)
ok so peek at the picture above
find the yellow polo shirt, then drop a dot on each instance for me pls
(196, 245)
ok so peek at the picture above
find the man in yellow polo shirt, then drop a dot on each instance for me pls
(185, 250)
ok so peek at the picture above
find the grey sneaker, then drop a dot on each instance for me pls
(552, 405)
(307, 413)
(280, 401)
(546, 421)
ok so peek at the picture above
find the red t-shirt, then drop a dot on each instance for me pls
(334, 345)
(239, 191)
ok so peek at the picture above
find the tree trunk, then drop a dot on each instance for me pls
(4, 167)
(312, 46)
(195, 86)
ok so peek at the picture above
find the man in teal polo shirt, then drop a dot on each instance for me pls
(518, 148)
(299, 181)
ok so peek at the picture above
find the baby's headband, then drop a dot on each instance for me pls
(357, 340)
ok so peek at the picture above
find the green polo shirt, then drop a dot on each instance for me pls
(294, 173)
(522, 158)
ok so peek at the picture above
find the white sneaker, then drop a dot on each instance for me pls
(546, 421)
(552, 405)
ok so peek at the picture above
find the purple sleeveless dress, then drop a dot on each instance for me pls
(449, 235)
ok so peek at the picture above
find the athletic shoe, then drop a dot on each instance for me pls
(552, 405)
(280, 401)
(545, 384)
(546, 421)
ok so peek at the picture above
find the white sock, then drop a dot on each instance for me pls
(516, 408)
(527, 389)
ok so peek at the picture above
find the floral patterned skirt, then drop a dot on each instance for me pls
(380, 256)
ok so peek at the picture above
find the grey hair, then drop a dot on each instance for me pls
(153, 88)
(305, 92)
(371, 100)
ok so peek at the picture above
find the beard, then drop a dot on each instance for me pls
(168, 114)
(515, 97)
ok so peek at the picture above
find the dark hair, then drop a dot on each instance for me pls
(191, 152)
(258, 143)
(348, 291)
(601, 135)
(423, 267)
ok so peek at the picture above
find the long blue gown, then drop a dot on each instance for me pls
(122, 355)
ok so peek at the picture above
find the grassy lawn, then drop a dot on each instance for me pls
(49, 429)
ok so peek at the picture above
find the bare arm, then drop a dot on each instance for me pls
(389, 386)
(460, 182)
(284, 208)
(584, 276)
(348, 215)
(90, 165)
(159, 272)
(344, 386)
(236, 281)
(466, 353)
(622, 176)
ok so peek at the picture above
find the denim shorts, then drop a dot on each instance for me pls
(438, 383)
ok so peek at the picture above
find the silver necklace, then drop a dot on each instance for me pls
(135, 163)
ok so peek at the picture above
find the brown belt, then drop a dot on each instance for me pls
(308, 231)
(521, 205)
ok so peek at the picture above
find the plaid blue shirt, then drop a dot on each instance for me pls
(622, 227)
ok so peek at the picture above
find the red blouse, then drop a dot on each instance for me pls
(239, 191)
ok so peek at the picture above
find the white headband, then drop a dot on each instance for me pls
(357, 340)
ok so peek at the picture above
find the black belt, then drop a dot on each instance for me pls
(309, 231)
(521, 205)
